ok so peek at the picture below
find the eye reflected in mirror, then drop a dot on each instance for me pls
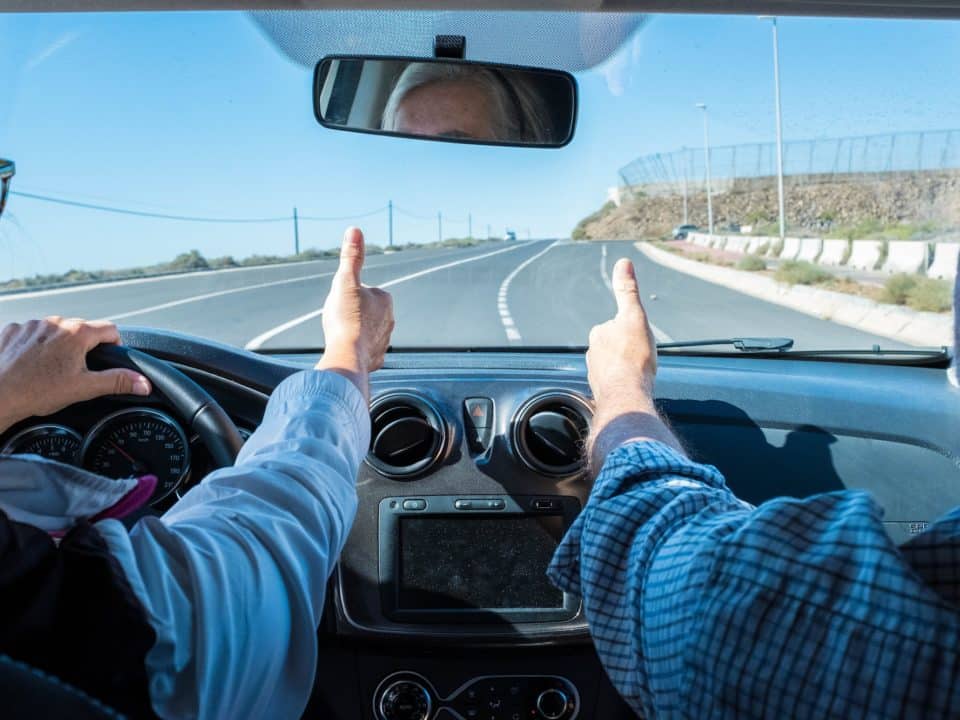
(449, 100)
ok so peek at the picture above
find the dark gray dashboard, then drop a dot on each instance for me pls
(773, 427)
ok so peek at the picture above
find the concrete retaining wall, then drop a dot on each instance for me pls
(865, 254)
(892, 321)
(755, 243)
(737, 243)
(834, 251)
(945, 256)
(791, 248)
(905, 256)
(810, 249)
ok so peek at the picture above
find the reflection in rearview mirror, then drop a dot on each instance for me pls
(450, 100)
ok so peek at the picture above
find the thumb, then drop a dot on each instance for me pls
(352, 252)
(117, 381)
(625, 288)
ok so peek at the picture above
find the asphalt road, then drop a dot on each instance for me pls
(537, 293)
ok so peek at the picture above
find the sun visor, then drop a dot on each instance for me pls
(563, 40)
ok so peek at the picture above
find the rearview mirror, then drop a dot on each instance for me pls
(449, 100)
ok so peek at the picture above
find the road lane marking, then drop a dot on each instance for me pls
(243, 288)
(258, 342)
(218, 293)
(658, 335)
(32, 294)
(509, 326)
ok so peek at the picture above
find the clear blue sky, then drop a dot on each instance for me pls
(198, 114)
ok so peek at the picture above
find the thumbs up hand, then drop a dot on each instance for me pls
(622, 358)
(357, 320)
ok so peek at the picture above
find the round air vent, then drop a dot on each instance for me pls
(408, 435)
(549, 432)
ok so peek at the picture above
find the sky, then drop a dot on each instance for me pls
(199, 114)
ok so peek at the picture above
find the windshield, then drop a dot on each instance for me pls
(170, 173)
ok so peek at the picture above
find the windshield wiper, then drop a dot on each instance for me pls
(745, 344)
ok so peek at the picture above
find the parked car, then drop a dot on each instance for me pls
(680, 232)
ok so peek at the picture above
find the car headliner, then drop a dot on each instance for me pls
(875, 8)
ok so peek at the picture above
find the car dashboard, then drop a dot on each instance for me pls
(439, 607)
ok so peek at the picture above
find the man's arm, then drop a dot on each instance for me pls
(233, 577)
(701, 605)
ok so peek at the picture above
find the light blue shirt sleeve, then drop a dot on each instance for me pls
(233, 576)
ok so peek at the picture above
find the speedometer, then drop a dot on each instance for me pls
(137, 442)
(54, 442)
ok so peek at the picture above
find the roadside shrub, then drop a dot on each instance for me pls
(751, 263)
(192, 260)
(930, 295)
(898, 287)
(884, 251)
(800, 272)
(763, 249)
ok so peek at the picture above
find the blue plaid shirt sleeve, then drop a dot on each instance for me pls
(701, 605)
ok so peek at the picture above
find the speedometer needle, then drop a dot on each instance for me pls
(138, 466)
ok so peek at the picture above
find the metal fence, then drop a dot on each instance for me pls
(846, 157)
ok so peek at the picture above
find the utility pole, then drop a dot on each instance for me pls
(489, 234)
(776, 86)
(296, 233)
(686, 213)
(440, 227)
(470, 226)
(706, 150)
(390, 223)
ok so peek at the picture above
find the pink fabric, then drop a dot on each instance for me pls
(133, 500)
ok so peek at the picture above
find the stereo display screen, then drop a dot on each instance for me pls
(475, 563)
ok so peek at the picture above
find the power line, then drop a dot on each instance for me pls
(415, 216)
(190, 218)
(142, 213)
(344, 217)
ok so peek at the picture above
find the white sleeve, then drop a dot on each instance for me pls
(233, 576)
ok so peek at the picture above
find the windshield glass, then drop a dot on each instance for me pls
(170, 173)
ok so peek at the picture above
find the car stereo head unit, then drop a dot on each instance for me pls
(473, 558)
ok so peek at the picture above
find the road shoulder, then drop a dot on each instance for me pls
(891, 321)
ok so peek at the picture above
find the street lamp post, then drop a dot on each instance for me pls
(776, 86)
(706, 151)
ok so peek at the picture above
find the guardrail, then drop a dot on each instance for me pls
(933, 259)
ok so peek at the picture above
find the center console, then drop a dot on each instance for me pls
(442, 606)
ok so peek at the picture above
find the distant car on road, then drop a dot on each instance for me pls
(680, 232)
(510, 236)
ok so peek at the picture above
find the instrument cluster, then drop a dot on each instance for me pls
(130, 442)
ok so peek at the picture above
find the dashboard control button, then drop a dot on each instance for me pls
(478, 422)
(552, 704)
(479, 504)
(479, 411)
(545, 504)
(405, 700)
(415, 504)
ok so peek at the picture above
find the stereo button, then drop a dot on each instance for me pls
(417, 504)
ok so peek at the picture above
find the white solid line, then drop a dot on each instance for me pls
(258, 342)
(513, 335)
(243, 288)
(157, 278)
(658, 335)
(218, 293)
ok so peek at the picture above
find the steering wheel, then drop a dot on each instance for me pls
(203, 414)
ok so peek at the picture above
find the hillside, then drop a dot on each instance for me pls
(888, 204)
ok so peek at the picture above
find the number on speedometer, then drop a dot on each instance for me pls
(131, 443)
